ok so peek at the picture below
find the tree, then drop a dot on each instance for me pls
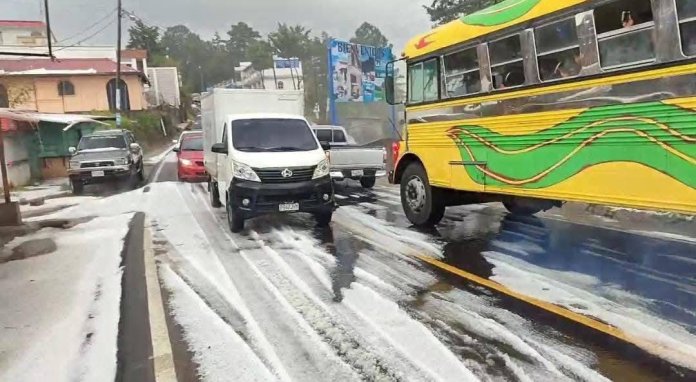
(260, 54)
(443, 11)
(290, 41)
(144, 37)
(241, 37)
(368, 34)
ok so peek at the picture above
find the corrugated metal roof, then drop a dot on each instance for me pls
(22, 24)
(44, 66)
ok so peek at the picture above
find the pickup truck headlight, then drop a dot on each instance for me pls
(244, 172)
(322, 169)
(74, 164)
(121, 161)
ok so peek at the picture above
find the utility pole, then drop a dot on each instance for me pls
(118, 66)
(3, 169)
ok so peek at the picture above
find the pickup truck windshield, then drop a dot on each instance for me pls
(260, 135)
(192, 144)
(102, 142)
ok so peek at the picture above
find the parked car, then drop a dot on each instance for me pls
(189, 153)
(106, 156)
(349, 161)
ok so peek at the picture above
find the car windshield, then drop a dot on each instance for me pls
(192, 143)
(102, 142)
(258, 135)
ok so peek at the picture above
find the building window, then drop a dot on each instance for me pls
(686, 10)
(4, 97)
(625, 31)
(66, 88)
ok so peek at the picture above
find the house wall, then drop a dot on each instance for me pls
(90, 94)
(22, 36)
(17, 157)
(20, 89)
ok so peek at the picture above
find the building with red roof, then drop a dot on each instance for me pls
(68, 85)
(23, 33)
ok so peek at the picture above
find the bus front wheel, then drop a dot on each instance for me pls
(423, 204)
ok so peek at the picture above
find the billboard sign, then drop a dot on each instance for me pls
(357, 72)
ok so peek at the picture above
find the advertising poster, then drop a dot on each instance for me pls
(358, 72)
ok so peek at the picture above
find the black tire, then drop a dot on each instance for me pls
(324, 218)
(424, 207)
(141, 172)
(522, 209)
(235, 220)
(78, 188)
(368, 182)
(214, 194)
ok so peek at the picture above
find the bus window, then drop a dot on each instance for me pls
(558, 50)
(507, 67)
(625, 33)
(415, 83)
(462, 75)
(431, 79)
(686, 10)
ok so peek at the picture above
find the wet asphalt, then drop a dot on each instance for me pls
(658, 269)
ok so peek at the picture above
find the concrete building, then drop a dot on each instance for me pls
(164, 86)
(286, 74)
(68, 86)
(23, 33)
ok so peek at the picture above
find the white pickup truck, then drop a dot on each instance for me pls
(349, 161)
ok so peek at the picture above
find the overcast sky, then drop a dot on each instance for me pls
(398, 19)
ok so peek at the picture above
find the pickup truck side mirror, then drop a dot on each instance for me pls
(326, 146)
(219, 148)
(176, 150)
(72, 150)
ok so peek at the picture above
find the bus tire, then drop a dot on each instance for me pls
(423, 204)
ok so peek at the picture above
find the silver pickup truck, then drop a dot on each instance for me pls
(349, 161)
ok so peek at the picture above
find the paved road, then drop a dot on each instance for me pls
(503, 298)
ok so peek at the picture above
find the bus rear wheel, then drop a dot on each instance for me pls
(423, 204)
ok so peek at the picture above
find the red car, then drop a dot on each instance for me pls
(189, 152)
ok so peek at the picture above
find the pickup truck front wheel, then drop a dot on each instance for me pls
(423, 204)
(77, 187)
(368, 182)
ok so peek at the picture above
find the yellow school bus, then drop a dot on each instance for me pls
(536, 102)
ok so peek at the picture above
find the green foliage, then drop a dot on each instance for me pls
(368, 34)
(144, 37)
(290, 41)
(241, 37)
(444, 11)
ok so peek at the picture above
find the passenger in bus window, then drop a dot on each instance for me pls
(627, 19)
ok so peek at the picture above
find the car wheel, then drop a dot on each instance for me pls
(423, 204)
(235, 221)
(368, 182)
(77, 187)
(214, 194)
(324, 218)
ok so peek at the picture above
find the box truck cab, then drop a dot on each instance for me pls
(269, 163)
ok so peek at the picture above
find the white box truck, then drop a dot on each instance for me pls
(263, 157)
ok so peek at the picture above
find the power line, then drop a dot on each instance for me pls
(85, 30)
(88, 37)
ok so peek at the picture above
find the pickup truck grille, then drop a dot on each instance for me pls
(275, 175)
(96, 164)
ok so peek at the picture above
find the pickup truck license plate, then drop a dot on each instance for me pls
(357, 173)
(288, 207)
(97, 174)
